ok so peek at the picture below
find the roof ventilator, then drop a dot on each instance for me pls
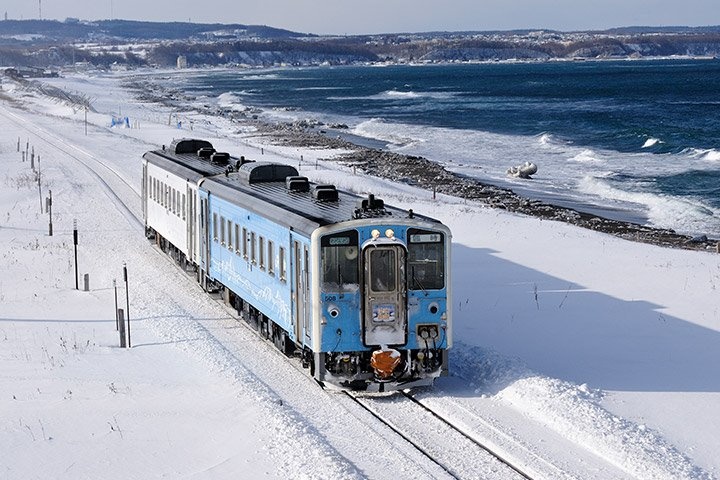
(370, 207)
(205, 152)
(220, 158)
(297, 184)
(325, 193)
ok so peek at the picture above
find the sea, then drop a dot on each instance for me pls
(631, 140)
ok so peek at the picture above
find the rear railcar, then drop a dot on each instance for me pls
(169, 195)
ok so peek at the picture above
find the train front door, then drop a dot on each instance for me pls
(385, 311)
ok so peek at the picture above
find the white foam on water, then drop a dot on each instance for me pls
(650, 142)
(682, 214)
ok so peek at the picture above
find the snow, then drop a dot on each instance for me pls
(578, 354)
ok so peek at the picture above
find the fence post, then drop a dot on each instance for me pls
(121, 318)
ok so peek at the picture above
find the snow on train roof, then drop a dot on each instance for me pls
(274, 189)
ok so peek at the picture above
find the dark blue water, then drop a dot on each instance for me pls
(666, 110)
(602, 104)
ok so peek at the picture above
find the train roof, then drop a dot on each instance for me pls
(272, 189)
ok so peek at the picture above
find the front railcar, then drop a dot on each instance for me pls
(382, 296)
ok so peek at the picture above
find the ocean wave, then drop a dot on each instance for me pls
(586, 156)
(546, 139)
(684, 215)
(651, 142)
(709, 154)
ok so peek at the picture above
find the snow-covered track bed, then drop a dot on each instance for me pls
(457, 453)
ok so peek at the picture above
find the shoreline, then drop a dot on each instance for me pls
(423, 173)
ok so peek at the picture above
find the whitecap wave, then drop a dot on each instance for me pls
(586, 156)
(682, 214)
(709, 154)
(651, 142)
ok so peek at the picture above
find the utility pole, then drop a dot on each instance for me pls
(40, 9)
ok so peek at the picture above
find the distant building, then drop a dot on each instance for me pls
(182, 61)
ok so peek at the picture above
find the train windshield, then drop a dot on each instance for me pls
(340, 262)
(426, 260)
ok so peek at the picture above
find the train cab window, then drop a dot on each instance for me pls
(340, 264)
(215, 227)
(282, 263)
(426, 260)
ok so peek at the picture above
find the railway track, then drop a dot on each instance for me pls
(437, 438)
(432, 436)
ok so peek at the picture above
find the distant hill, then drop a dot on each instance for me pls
(33, 32)
(129, 44)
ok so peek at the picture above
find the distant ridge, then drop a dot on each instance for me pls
(129, 44)
(78, 30)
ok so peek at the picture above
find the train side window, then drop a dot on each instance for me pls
(222, 230)
(282, 261)
(183, 206)
(271, 258)
(253, 258)
(167, 196)
(237, 239)
(261, 252)
(245, 243)
(229, 235)
(215, 227)
(425, 260)
(154, 189)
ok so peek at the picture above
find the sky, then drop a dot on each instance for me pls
(384, 16)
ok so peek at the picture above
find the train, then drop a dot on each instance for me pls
(357, 289)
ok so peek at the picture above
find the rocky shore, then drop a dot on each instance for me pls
(423, 173)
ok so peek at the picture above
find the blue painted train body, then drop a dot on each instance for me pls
(360, 290)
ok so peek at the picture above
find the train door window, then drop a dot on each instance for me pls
(215, 227)
(155, 189)
(383, 272)
(261, 252)
(271, 258)
(183, 206)
(253, 247)
(245, 243)
(237, 239)
(173, 200)
(426, 254)
(177, 202)
(167, 197)
(282, 263)
(339, 260)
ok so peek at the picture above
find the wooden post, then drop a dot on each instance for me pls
(121, 318)
(127, 301)
(117, 319)
(48, 204)
(75, 240)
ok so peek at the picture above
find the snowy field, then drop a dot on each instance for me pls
(579, 355)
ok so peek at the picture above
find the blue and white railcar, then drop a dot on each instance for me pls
(359, 288)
